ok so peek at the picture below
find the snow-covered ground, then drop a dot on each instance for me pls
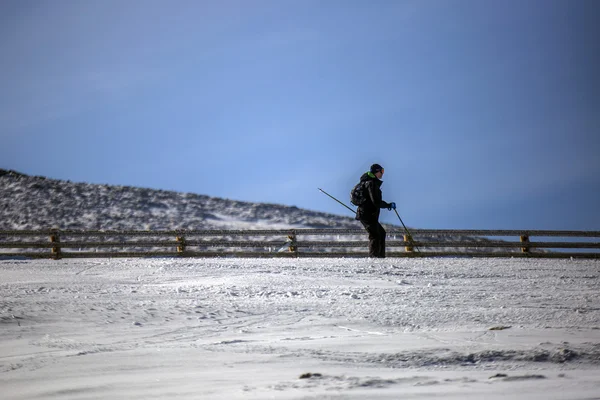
(458, 328)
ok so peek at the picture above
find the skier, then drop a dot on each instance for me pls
(368, 212)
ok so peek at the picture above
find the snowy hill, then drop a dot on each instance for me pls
(34, 202)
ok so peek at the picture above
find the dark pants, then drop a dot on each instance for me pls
(376, 238)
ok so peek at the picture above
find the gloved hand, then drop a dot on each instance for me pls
(392, 206)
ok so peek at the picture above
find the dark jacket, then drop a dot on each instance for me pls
(370, 210)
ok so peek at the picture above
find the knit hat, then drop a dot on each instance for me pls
(375, 168)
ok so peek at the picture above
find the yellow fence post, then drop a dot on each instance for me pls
(180, 244)
(525, 241)
(293, 243)
(55, 238)
(408, 238)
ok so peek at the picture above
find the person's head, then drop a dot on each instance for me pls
(377, 170)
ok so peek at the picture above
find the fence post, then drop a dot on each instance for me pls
(408, 238)
(55, 238)
(293, 243)
(525, 241)
(180, 244)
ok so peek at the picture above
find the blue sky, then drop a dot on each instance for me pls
(485, 114)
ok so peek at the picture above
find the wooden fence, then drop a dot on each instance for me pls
(59, 244)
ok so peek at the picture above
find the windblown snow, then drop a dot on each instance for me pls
(231, 328)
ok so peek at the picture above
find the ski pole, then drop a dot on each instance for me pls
(407, 231)
(324, 192)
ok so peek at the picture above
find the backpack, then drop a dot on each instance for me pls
(358, 197)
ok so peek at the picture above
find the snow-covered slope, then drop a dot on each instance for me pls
(299, 329)
(32, 202)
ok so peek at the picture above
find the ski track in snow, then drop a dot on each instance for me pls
(197, 328)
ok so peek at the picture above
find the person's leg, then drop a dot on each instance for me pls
(373, 231)
(381, 236)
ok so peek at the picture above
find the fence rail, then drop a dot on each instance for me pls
(57, 244)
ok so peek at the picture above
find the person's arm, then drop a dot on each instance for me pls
(375, 195)
(375, 199)
(384, 204)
